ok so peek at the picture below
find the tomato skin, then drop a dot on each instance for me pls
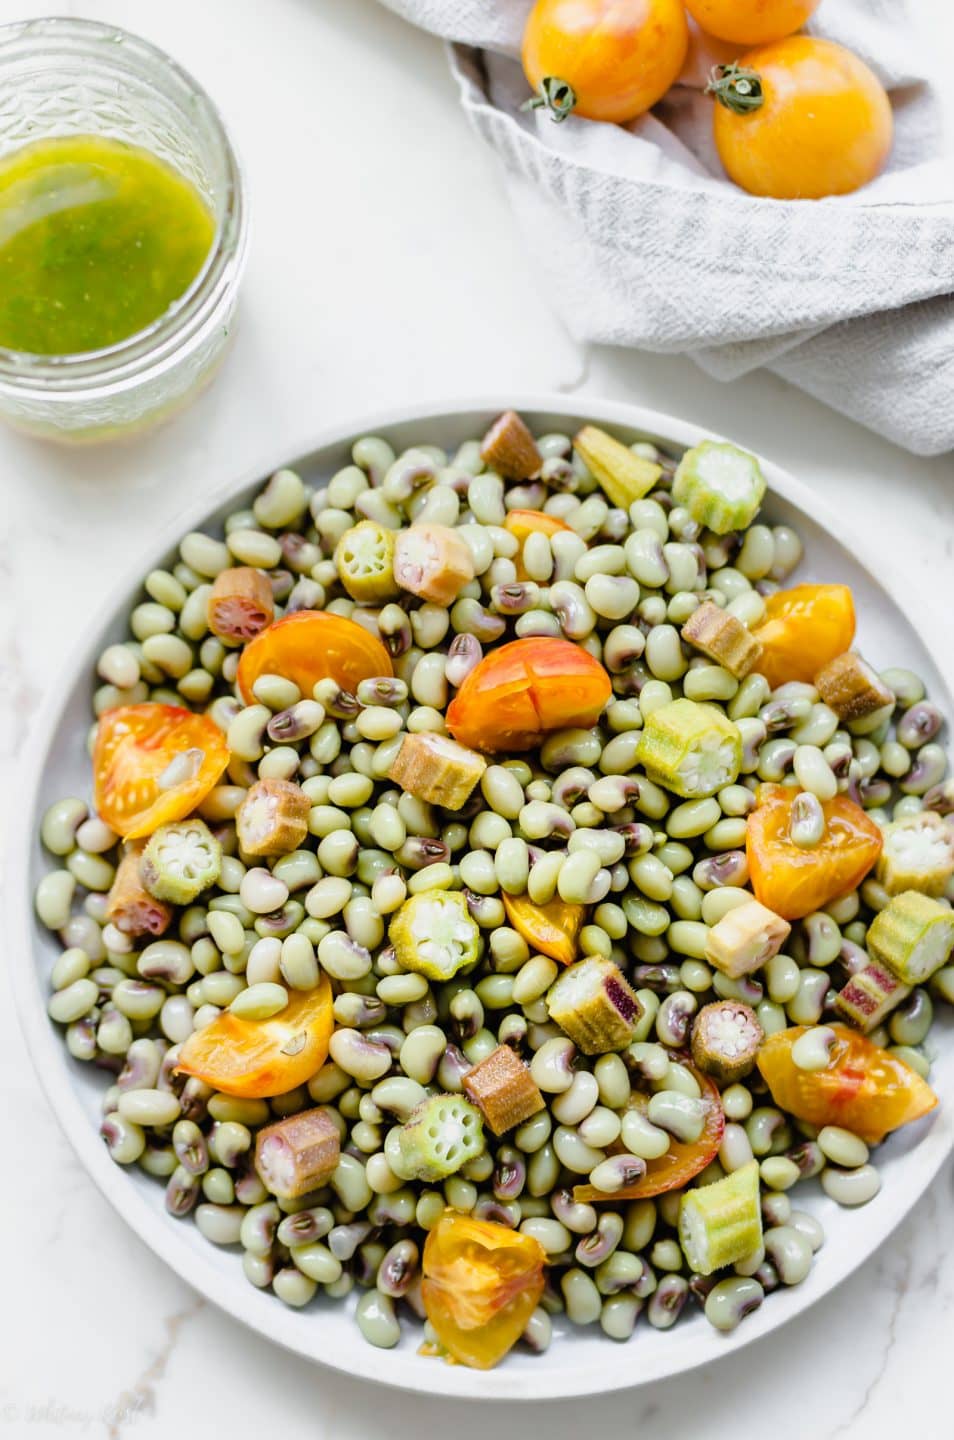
(551, 929)
(793, 881)
(751, 22)
(864, 1089)
(311, 645)
(482, 1282)
(250, 1058)
(523, 690)
(522, 523)
(824, 127)
(620, 58)
(134, 745)
(533, 522)
(681, 1162)
(803, 629)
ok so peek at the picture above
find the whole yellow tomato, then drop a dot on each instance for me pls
(618, 57)
(800, 120)
(751, 22)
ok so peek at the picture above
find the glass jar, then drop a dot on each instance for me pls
(77, 77)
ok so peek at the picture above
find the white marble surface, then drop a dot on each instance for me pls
(385, 267)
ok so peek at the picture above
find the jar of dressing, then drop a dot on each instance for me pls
(122, 231)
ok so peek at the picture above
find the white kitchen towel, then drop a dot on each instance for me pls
(644, 242)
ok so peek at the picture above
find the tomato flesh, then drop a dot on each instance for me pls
(551, 929)
(135, 746)
(258, 1058)
(864, 1089)
(525, 689)
(795, 881)
(311, 645)
(482, 1282)
(802, 630)
(522, 523)
(681, 1162)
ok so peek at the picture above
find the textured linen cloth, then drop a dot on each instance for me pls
(643, 242)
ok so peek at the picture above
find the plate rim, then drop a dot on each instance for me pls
(43, 1042)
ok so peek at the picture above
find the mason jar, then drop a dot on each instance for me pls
(61, 77)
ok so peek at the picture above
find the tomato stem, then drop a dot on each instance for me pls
(555, 95)
(738, 89)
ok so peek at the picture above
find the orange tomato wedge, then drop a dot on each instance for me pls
(311, 645)
(522, 523)
(258, 1058)
(681, 1162)
(525, 689)
(482, 1282)
(533, 522)
(552, 929)
(794, 881)
(803, 629)
(864, 1089)
(135, 746)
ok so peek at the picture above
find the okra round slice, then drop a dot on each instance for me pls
(364, 557)
(691, 749)
(442, 1134)
(180, 861)
(720, 485)
(435, 934)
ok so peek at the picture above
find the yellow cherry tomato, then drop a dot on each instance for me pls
(801, 119)
(618, 56)
(751, 22)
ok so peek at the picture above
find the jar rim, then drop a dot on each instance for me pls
(159, 344)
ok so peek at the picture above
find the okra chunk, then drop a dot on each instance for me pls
(364, 558)
(435, 934)
(721, 1224)
(691, 749)
(503, 1090)
(624, 475)
(441, 1135)
(509, 448)
(180, 861)
(273, 818)
(869, 995)
(722, 638)
(745, 939)
(432, 561)
(437, 769)
(297, 1154)
(849, 686)
(720, 485)
(913, 935)
(240, 605)
(918, 854)
(595, 1005)
(129, 906)
(725, 1040)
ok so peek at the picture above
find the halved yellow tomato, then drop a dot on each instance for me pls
(863, 1089)
(258, 1058)
(525, 689)
(482, 1282)
(153, 764)
(311, 645)
(795, 881)
(681, 1162)
(552, 929)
